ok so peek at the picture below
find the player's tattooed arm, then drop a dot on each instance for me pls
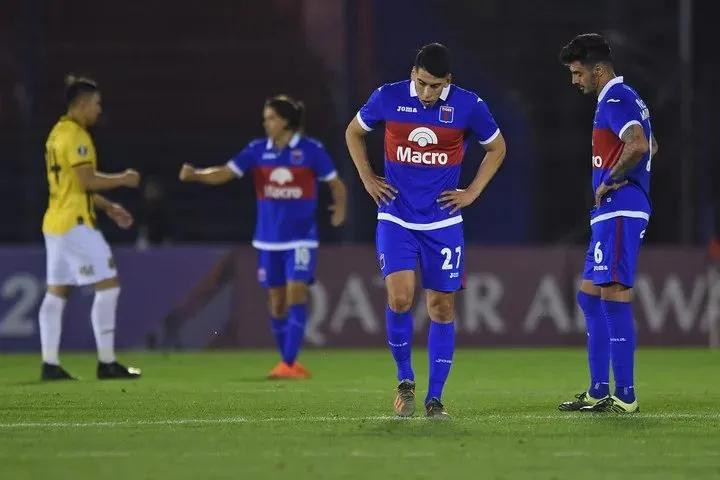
(636, 145)
(494, 155)
(376, 186)
(209, 176)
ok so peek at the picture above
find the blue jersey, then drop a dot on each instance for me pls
(286, 189)
(620, 107)
(424, 148)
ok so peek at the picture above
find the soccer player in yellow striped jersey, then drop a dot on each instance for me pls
(77, 253)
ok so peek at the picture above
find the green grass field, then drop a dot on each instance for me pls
(212, 415)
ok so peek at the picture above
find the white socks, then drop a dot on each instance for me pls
(102, 316)
(51, 311)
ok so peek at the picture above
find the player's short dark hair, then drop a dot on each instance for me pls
(588, 49)
(76, 87)
(434, 58)
(293, 111)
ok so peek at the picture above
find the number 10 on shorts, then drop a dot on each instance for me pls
(448, 253)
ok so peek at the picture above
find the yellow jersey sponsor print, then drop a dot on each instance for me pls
(69, 145)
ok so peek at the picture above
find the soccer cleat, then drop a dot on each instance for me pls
(283, 371)
(280, 371)
(405, 399)
(112, 370)
(299, 371)
(435, 409)
(54, 372)
(612, 404)
(581, 400)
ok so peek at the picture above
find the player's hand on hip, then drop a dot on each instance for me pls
(379, 189)
(338, 215)
(603, 189)
(455, 199)
(186, 172)
(122, 217)
(132, 178)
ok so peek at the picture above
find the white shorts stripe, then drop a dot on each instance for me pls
(621, 213)
(421, 226)
(279, 246)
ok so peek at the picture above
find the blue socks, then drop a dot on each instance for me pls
(297, 318)
(622, 347)
(441, 346)
(399, 334)
(598, 344)
(279, 328)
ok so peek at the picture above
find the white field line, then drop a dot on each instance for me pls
(321, 419)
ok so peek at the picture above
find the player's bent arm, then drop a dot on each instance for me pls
(355, 139)
(494, 156)
(93, 181)
(101, 202)
(210, 176)
(635, 146)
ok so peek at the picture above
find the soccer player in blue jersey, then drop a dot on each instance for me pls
(622, 149)
(429, 123)
(286, 167)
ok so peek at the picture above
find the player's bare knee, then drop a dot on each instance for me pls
(62, 291)
(616, 292)
(277, 302)
(107, 284)
(297, 293)
(278, 307)
(441, 306)
(441, 312)
(400, 302)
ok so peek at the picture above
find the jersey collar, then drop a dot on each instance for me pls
(443, 95)
(608, 86)
(292, 144)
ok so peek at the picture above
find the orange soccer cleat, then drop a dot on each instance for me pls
(299, 371)
(281, 371)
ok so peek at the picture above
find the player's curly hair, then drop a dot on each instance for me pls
(586, 48)
(293, 111)
(75, 87)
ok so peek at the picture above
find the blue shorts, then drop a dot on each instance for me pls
(613, 251)
(440, 253)
(277, 268)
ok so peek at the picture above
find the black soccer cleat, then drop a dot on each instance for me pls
(405, 400)
(107, 371)
(434, 409)
(54, 372)
(581, 400)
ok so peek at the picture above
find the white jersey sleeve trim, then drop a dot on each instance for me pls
(421, 226)
(362, 123)
(628, 125)
(621, 213)
(490, 138)
(238, 173)
(278, 246)
(330, 176)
